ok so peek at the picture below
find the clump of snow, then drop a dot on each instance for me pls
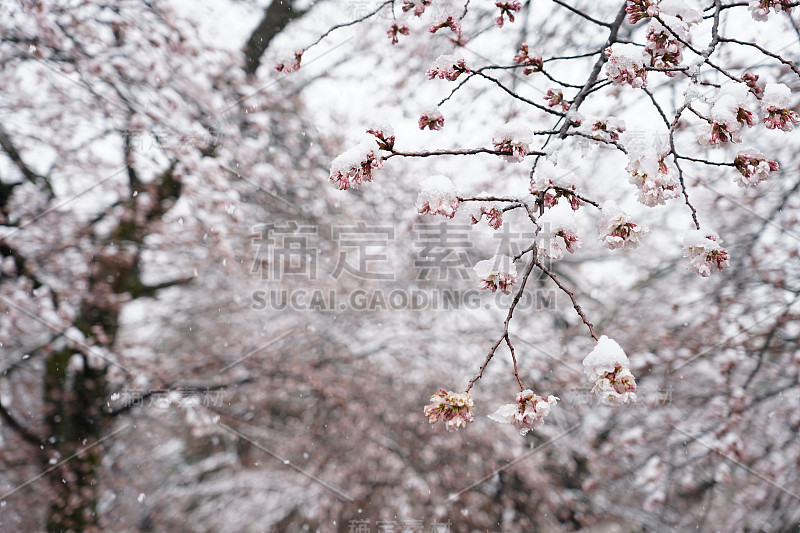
(607, 367)
(527, 413)
(775, 104)
(447, 67)
(515, 138)
(558, 233)
(753, 167)
(431, 119)
(438, 197)
(654, 177)
(617, 230)
(705, 253)
(626, 64)
(355, 166)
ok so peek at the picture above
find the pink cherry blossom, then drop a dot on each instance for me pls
(453, 408)
(527, 413)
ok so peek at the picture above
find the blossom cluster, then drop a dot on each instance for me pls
(705, 253)
(759, 9)
(546, 179)
(526, 413)
(556, 98)
(499, 272)
(640, 9)
(607, 367)
(395, 30)
(438, 197)
(494, 217)
(654, 177)
(454, 408)
(754, 168)
(612, 126)
(507, 8)
(775, 105)
(663, 48)
(514, 138)
(558, 233)
(447, 67)
(418, 7)
(626, 64)
(751, 80)
(529, 60)
(617, 230)
(384, 134)
(431, 119)
(728, 115)
(355, 166)
(288, 67)
(450, 22)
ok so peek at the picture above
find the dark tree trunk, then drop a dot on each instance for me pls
(276, 17)
(74, 408)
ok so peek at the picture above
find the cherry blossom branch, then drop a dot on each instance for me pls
(514, 359)
(569, 293)
(590, 82)
(488, 199)
(351, 23)
(705, 161)
(612, 142)
(582, 14)
(764, 51)
(510, 314)
(466, 151)
(521, 98)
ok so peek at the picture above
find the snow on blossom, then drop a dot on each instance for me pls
(654, 177)
(676, 19)
(431, 119)
(558, 233)
(664, 50)
(754, 168)
(640, 9)
(527, 413)
(617, 230)
(476, 210)
(775, 104)
(499, 272)
(447, 67)
(528, 59)
(287, 66)
(611, 126)
(705, 252)
(395, 30)
(553, 183)
(626, 64)
(384, 133)
(454, 408)
(507, 9)
(759, 9)
(438, 197)
(418, 7)
(514, 138)
(355, 166)
(607, 367)
(728, 114)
